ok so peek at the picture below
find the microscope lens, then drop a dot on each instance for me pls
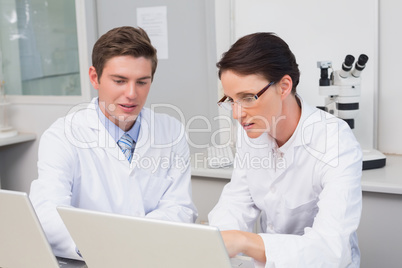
(360, 64)
(349, 59)
(362, 60)
(347, 66)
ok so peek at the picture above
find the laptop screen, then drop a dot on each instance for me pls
(23, 242)
(111, 240)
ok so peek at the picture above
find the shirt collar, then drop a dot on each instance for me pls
(114, 130)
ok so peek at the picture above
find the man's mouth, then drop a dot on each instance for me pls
(128, 105)
(128, 108)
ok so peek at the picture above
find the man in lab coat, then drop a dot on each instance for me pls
(296, 167)
(83, 161)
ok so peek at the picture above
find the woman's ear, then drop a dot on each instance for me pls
(285, 85)
(93, 77)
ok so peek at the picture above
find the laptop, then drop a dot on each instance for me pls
(22, 240)
(110, 240)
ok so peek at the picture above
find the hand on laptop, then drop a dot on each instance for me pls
(244, 242)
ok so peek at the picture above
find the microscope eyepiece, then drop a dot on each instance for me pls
(347, 66)
(360, 65)
(349, 59)
(361, 62)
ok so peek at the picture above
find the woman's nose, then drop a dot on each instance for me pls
(237, 111)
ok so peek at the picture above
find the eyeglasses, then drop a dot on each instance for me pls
(244, 102)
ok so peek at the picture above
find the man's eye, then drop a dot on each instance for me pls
(229, 100)
(119, 81)
(142, 83)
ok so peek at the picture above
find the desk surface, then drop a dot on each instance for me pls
(21, 137)
(382, 180)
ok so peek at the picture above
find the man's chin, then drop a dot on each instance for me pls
(123, 121)
(128, 119)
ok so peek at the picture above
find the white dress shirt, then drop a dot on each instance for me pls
(307, 192)
(81, 165)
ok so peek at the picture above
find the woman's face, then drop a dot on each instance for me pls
(265, 113)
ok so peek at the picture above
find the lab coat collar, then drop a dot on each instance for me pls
(91, 116)
(115, 131)
(282, 157)
(144, 136)
(301, 135)
(106, 141)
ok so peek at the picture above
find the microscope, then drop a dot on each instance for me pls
(342, 91)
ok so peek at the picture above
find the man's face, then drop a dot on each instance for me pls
(123, 88)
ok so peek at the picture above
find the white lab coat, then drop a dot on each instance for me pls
(308, 193)
(81, 165)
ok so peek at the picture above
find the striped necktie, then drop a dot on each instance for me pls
(127, 144)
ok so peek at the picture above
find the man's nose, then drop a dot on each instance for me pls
(130, 91)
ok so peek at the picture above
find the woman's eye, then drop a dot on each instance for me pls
(248, 99)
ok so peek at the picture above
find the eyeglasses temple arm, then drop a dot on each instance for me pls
(222, 100)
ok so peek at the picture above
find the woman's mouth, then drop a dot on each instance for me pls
(247, 126)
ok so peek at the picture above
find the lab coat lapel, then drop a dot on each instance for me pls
(263, 159)
(281, 159)
(100, 133)
(301, 137)
(144, 139)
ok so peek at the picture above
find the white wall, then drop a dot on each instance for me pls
(185, 83)
(390, 85)
(328, 30)
(316, 31)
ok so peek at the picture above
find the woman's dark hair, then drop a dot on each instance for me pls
(264, 54)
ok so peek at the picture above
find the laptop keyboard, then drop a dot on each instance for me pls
(242, 261)
(220, 157)
(70, 263)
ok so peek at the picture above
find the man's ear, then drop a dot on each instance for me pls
(93, 77)
(285, 85)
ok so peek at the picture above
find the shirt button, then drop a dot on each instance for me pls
(273, 189)
(271, 226)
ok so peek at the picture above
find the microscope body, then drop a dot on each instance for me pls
(342, 96)
(342, 90)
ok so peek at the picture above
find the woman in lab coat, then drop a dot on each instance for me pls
(297, 167)
(80, 163)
